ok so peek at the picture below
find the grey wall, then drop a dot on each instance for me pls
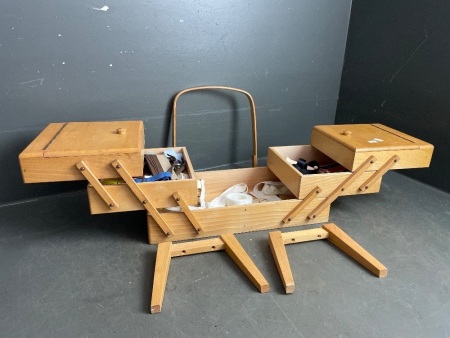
(72, 61)
(397, 71)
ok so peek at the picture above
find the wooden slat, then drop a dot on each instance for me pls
(304, 236)
(379, 173)
(185, 207)
(302, 205)
(197, 247)
(99, 188)
(141, 196)
(162, 265)
(344, 242)
(237, 253)
(341, 188)
(281, 260)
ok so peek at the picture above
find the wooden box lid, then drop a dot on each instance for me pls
(53, 154)
(370, 137)
(351, 144)
(95, 138)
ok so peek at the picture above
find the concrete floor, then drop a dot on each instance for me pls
(65, 273)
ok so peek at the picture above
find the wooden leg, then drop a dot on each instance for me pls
(237, 253)
(344, 242)
(163, 257)
(281, 259)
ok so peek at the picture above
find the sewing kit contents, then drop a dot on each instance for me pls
(296, 188)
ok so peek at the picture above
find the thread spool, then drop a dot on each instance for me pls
(238, 198)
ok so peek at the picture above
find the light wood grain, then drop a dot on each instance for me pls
(302, 205)
(161, 193)
(345, 243)
(140, 195)
(301, 185)
(189, 214)
(349, 145)
(197, 247)
(162, 265)
(235, 219)
(53, 154)
(97, 138)
(95, 183)
(279, 253)
(300, 236)
(245, 263)
(379, 173)
(342, 187)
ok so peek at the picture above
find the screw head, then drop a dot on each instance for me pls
(82, 168)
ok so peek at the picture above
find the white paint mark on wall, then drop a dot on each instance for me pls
(110, 65)
(63, 62)
(59, 35)
(103, 9)
(33, 83)
(181, 20)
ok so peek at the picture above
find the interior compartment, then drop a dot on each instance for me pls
(301, 185)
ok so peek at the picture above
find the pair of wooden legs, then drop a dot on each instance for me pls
(334, 235)
(227, 242)
(277, 242)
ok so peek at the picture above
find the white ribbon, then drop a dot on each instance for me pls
(268, 191)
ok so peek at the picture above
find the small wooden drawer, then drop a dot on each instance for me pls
(158, 193)
(352, 144)
(301, 185)
(54, 153)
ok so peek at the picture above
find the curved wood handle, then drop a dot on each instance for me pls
(252, 111)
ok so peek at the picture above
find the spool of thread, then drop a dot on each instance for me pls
(238, 198)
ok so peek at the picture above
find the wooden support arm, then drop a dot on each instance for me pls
(344, 185)
(99, 188)
(302, 205)
(379, 173)
(137, 191)
(190, 215)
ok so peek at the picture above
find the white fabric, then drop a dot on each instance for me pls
(263, 191)
(268, 191)
(219, 201)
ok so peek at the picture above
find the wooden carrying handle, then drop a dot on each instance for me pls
(252, 111)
